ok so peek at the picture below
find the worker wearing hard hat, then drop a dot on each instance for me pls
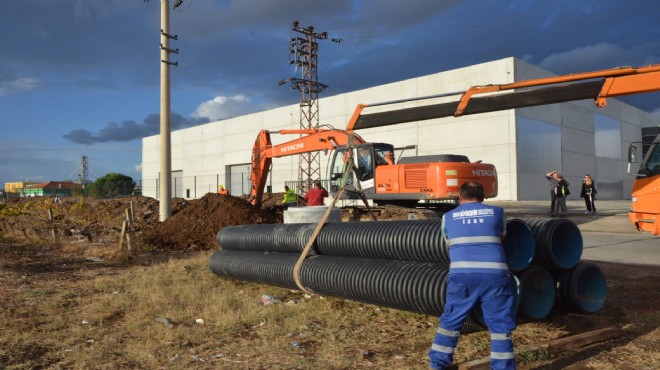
(222, 190)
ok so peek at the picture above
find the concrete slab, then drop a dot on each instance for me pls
(638, 249)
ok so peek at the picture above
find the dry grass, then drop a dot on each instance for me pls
(61, 311)
(108, 319)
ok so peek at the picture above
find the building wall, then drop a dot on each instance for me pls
(523, 144)
(43, 192)
(15, 187)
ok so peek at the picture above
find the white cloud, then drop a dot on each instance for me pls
(21, 84)
(597, 56)
(223, 107)
(138, 167)
(39, 32)
(577, 58)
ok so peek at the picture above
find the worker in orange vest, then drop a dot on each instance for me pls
(222, 190)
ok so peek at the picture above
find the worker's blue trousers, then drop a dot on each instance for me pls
(495, 294)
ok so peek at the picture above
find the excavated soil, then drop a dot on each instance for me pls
(195, 226)
(192, 226)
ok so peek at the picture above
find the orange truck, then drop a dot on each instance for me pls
(645, 208)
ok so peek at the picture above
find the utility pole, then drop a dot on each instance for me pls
(165, 125)
(303, 53)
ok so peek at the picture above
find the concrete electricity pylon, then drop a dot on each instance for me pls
(303, 54)
(165, 186)
(83, 175)
(165, 183)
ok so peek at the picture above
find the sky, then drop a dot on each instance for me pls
(82, 77)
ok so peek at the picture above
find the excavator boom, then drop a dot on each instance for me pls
(598, 85)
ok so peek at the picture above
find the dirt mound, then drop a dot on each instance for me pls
(72, 217)
(195, 226)
(192, 226)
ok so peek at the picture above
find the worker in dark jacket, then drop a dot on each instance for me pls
(478, 274)
(552, 177)
(561, 191)
(364, 164)
(588, 192)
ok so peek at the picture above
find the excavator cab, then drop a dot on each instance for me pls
(368, 157)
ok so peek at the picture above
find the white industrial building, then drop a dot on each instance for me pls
(574, 138)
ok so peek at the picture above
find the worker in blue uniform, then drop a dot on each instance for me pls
(478, 274)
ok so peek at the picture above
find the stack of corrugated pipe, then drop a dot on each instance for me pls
(404, 264)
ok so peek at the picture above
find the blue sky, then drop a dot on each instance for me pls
(82, 77)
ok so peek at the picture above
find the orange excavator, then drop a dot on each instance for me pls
(376, 176)
(427, 184)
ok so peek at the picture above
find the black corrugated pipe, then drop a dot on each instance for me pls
(582, 289)
(519, 245)
(537, 293)
(558, 242)
(406, 285)
(266, 237)
(407, 240)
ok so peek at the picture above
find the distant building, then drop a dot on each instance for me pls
(15, 187)
(51, 188)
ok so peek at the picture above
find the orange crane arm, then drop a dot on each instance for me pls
(617, 82)
(598, 85)
(313, 140)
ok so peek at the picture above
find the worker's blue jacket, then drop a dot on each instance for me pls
(474, 232)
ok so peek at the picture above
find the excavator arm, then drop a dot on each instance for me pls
(598, 85)
(312, 140)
